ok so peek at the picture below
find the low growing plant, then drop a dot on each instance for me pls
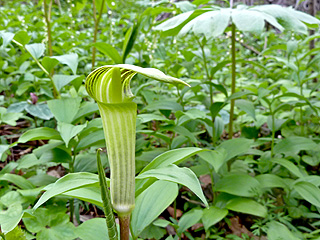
(109, 86)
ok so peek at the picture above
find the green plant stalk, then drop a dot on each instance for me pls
(2, 236)
(301, 110)
(124, 226)
(47, 16)
(273, 133)
(56, 93)
(71, 201)
(233, 78)
(96, 25)
(105, 196)
(209, 77)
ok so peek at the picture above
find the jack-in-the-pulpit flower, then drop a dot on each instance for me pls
(109, 86)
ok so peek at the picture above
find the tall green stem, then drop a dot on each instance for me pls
(124, 227)
(233, 78)
(71, 201)
(56, 93)
(47, 17)
(209, 78)
(105, 196)
(96, 25)
(273, 132)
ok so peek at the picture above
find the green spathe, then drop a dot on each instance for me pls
(110, 86)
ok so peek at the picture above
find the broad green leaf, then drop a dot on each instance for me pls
(16, 234)
(87, 162)
(246, 106)
(50, 223)
(239, 185)
(49, 63)
(17, 107)
(286, 18)
(95, 138)
(309, 192)
(149, 205)
(294, 144)
(65, 109)
(39, 110)
(68, 131)
(216, 107)
(9, 118)
(129, 40)
(247, 206)
(10, 218)
(68, 182)
(288, 165)
(173, 173)
(3, 149)
(109, 50)
(93, 229)
(69, 59)
(17, 180)
(173, 156)
(174, 25)
(86, 109)
(62, 80)
(173, 22)
(22, 37)
(11, 197)
(213, 215)
(64, 231)
(217, 20)
(278, 231)
(248, 20)
(184, 132)
(189, 219)
(243, 146)
(164, 105)
(6, 38)
(277, 123)
(36, 49)
(271, 181)
(89, 193)
(185, 6)
(42, 133)
(216, 158)
(147, 117)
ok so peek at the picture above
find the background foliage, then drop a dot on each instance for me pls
(261, 184)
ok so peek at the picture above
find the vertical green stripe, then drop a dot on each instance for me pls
(119, 122)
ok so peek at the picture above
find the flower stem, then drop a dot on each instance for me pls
(124, 226)
(233, 80)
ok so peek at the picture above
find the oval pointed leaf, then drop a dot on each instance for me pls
(248, 21)
(183, 176)
(247, 206)
(309, 192)
(42, 133)
(149, 205)
(36, 49)
(239, 185)
(67, 183)
(174, 156)
(213, 215)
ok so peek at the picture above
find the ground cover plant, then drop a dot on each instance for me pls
(225, 145)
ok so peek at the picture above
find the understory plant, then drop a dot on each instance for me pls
(109, 86)
(210, 22)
